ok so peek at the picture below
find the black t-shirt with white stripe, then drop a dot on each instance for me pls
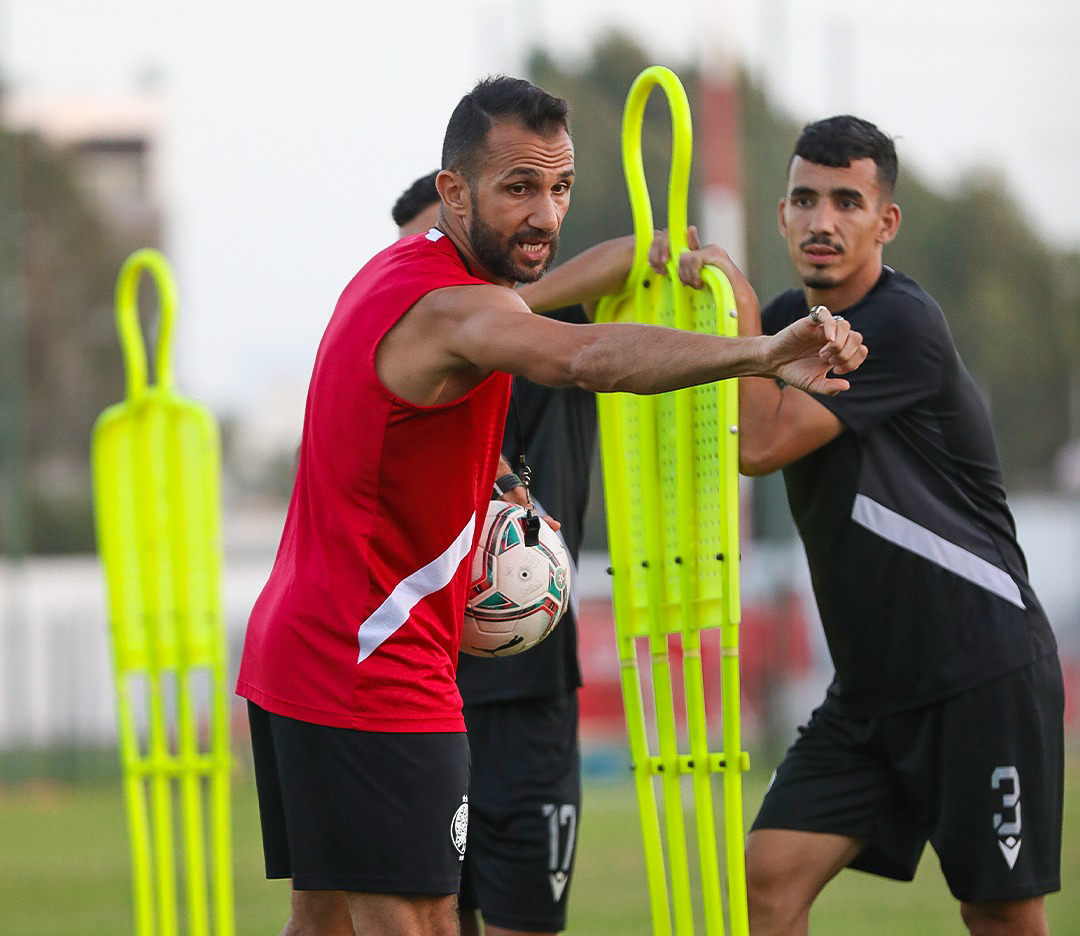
(920, 582)
(558, 427)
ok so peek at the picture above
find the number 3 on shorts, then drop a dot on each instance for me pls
(1007, 779)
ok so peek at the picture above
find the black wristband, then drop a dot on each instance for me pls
(507, 483)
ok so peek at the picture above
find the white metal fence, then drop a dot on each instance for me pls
(56, 683)
(56, 673)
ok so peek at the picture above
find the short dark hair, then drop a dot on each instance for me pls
(839, 141)
(498, 98)
(415, 199)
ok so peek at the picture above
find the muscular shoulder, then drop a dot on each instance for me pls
(464, 301)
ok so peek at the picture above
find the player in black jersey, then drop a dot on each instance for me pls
(521, 712)
(944, 721)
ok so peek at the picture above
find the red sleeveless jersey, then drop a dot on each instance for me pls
(360, 622)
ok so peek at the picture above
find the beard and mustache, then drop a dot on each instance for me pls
(820, 279)
(497, 255)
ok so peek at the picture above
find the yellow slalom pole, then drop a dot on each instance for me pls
(620, 531)
(156, 469)
(670, 470)
(667, 763)
(663, 618)
(685, 510)
(736, 761)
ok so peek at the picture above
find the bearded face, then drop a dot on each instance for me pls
(519, 193)
(522, 257)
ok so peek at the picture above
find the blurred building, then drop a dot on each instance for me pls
(114, 142)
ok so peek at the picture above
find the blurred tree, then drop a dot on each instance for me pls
(1004, 293)
(68, 257)
(13, 532)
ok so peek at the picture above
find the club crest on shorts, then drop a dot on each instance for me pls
(459, 827)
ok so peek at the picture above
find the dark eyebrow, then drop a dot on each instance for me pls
(530, 173)
(521, 171)
(853, 194)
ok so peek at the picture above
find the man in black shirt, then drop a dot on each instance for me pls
(521, 711)
(945, 713)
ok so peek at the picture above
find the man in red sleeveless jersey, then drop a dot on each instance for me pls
(362, 764)
(521, 712)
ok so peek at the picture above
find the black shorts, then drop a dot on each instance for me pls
(364, 811)
(979, 775)
(524, 803)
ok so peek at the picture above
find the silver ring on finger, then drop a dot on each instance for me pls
(815, 314)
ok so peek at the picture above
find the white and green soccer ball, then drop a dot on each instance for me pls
(517, 593)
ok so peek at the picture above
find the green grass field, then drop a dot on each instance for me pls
(64, 868)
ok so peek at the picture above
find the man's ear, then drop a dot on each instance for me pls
(781, 220)
(890, 222)
(454, 192)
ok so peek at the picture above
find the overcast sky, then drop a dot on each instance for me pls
(292, 125)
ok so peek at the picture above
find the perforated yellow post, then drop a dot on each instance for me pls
(156, 466)
(671, 480)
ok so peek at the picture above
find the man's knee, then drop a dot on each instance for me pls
(1005, 917)
(775, 900)
(404, 915)
(315, 913)
(786, 870)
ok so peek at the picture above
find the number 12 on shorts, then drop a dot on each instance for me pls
(1006, 780)
(561, 852)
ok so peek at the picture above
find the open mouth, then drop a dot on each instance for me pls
(534, 251)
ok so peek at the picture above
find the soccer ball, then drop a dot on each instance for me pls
(517, 593)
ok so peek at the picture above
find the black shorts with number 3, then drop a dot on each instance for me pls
(979, 775)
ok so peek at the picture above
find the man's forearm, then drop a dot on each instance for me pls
(633, 358)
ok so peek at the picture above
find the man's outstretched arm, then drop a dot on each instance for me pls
(454, 337)
(486, 333)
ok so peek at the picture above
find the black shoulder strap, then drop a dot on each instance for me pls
(532, 522)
